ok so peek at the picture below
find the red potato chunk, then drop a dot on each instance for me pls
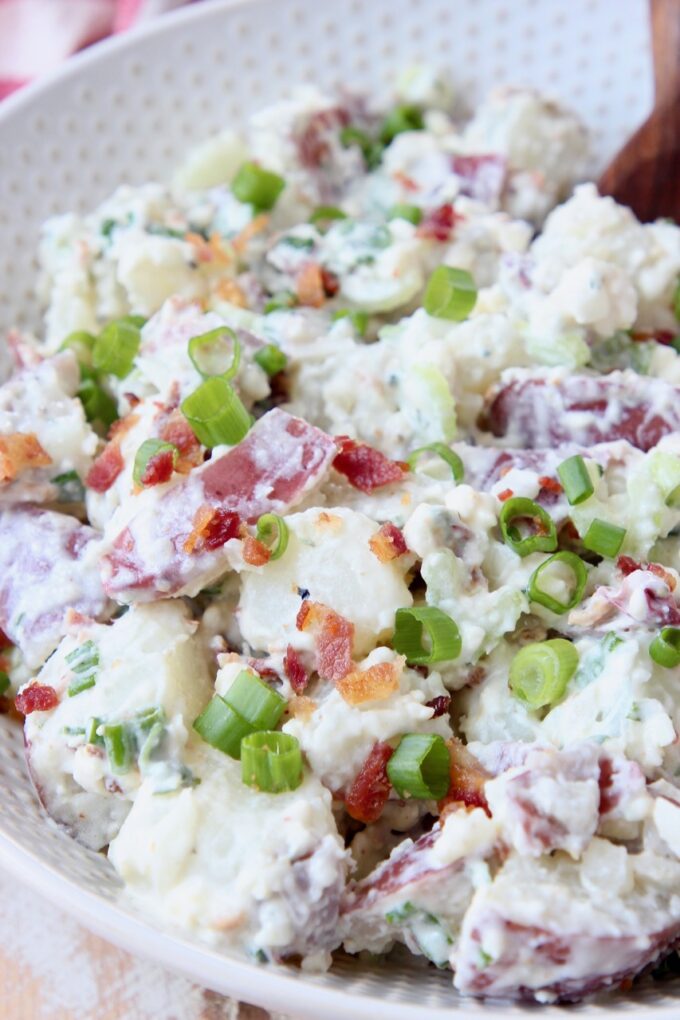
(280, 460)
(48, 566)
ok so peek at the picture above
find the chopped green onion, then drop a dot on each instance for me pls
(91, 735)
(80, 684)
(301, 243)
(116, 347)
(676, 301)
(450, 294)
(402, 211)
(273, 531)
(119, 745)
(222, 727)
(543, 539)
(216, 414)
(71, 489)
(280, 302)
(153, 740)
(138, 321)
(271, 762)
(326, 213)
(271, 358)
(665, 648)
(100, 409)
(257, 187)
(371, 150)
(84, 662)
(443, 634)
(580, 575)
(576, 482)
(217, 352)
(82, 344)
(604, 538)
(358, 319)
(255, 701)
(149, 449)
(4, 682)
(540, 672)
(420, 767)
(400, 119)
(443, 451)
(673, 498)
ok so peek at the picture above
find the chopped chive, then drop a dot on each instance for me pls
(420, 767)
(442, 451)
(257, 187)
(403, 211)
(273, 531)
(82, 345)
(80, 684)
(119, 746)
(271, 358)
(540, 672)
(580, 579)
(271, 762)
(116, 347)
(542, 539)
(442, 631)
(91, 735)
(450, 294)
(216, 414)
(604, 538)
(665, 648)
(217, 352)
(576, 481)
(676, 301)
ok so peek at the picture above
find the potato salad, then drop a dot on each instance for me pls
(340, 507)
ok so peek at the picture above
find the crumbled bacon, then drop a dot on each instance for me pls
(467, 779)
(255, 552)
(212, 527)
(262, 668)
(330, 282)
(36, 698)
(5, 642)
(369, 792)
(440, 705)
(229, 290)
(122, 426)
(438, 224)
(665, 575)
(252, 229)
(106, 468)
(550, 484)
(406, 182)
(19, 452)
(388, 543)
(505, 494)
(662, 336)
(309, 285)
(364, 467)
(212, 250)
(159, 468)
(333, 638)
(373, 684)
(627, 565)
(178, 431)
(294, 669)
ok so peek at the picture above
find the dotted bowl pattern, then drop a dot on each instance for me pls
(128, 111)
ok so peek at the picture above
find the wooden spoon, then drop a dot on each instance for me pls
(645, 173)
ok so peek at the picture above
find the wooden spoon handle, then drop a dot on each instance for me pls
(665, 17)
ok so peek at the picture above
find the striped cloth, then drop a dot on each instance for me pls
(37, 35)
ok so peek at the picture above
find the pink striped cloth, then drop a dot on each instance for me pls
(37, 35)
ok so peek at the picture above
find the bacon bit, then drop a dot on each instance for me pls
(505, 494)
(256, 226)
(261, 667)
(4, 640)
(301, 707)
(122, 426)
(656, 568)
(331, 284)
(132, 400)
(467, 779)
(255, 552)
(159, 468)
(329, 521)
(373, 684)
(309, 285)
(364, 467)
(406, 182)
(178, 431)
(212, 527)
(370, 790)
(106, 468)
(388, 543)
(440, 705)
(334, 636)
(627, 565)
(438, 224)
(662, 336)
(229, 290)
(550, 484)
(36, 698)
(211, 250)
(19, 452)
(294, 669)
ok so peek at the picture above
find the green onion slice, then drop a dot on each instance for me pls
(450, 294)
(543, 539)
(403, 211)
(665, 648)
(273, 531)
(222, 727)
(443, 451)
(271, 762)
(149, 449)
(120, 746)
(270, 358)
(358, 319)
(116, 347)
(326, 213)
(82, 345)
(217, 352)
(604, 538)
(540, 672)
(442, 631)
(576, 481)
(400, 119)
(255, 701)
(580, 579)
(216, 414)
(100, 409)
(371, 150)
(420, 767)
(257, 187)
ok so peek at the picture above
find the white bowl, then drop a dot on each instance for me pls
(127, 110)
